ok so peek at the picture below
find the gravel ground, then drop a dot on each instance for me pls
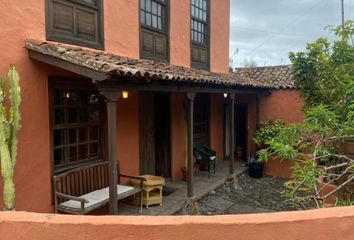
(249, 196)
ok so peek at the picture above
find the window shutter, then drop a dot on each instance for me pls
(75, 23)
(87, 24)
(153, 45)
(160, 45)
(204, 56)
(63, 17)
(200, 56)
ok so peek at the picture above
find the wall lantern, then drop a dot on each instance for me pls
(125, 94)
(225, 95)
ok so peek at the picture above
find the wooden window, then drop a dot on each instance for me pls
(154, 29)
(76, 128)
(200, 33)
(77, 22)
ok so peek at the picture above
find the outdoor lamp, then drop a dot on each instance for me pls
(225, 95)
(125, 94)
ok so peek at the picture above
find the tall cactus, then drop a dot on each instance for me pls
(9, 126)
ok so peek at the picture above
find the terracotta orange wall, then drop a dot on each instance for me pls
(121, 27)
(178, 137)
(322, 224)
(281, 104)
(180, 23)
(128, 134)
(32, 177)
(220, 33)
(217, 125)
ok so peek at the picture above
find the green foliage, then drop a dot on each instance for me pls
(280, 141)
(9, 126)
(304, 178)
(268, 131)
(324, 73)
(249, 63)
(344, 202)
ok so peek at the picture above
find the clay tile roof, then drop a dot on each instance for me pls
(277, 77)
(115, 66)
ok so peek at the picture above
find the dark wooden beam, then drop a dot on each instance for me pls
(71, 67)
(111, 101)
(135, 84)
(190, 101)
(257, 112)
(232, 132)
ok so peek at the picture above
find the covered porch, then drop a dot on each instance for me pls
(175, 199)
(114, 75)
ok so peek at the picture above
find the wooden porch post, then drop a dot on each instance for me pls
(111, 101)
(232, 132)
(190, 100)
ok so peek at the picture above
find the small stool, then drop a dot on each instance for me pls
(152, 188)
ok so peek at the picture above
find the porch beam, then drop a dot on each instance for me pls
(111, 102)
(134, 84)
(190, 102)
(232, 132)
(257, 112)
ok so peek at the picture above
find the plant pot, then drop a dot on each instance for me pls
(184, 174)
(255, 170)
(279, 168)
(326, 188)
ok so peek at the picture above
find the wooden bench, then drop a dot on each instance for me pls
(84, 189)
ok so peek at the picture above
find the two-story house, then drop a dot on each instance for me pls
(138, 81)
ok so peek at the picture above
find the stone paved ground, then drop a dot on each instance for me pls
(250, 196)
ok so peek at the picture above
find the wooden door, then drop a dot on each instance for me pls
(241, 131)
(162, 135)
(202, 119)
(147, 133)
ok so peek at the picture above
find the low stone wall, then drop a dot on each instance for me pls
(323, 224)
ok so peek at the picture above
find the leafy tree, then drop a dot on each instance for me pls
(249, 63)
(324, 74)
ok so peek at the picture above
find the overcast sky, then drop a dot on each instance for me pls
(267, 30)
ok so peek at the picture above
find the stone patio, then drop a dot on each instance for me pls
(176, 201)
(250, 195)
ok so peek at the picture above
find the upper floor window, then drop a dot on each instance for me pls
(75, 21)
(154, 29)
(200, 33)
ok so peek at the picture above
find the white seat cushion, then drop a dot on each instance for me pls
(95, 197)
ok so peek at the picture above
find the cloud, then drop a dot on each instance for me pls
(267, 31)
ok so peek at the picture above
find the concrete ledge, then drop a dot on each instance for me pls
(323, 224)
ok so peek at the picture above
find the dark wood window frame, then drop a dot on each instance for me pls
(155, 33)
(58, 84)
(203, 46)
(75, 37)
